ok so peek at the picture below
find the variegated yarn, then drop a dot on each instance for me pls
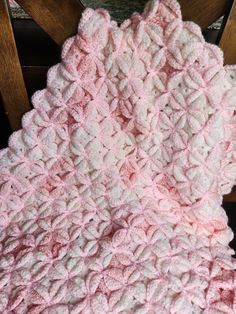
(111, 192)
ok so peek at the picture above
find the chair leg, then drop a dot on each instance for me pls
(228, 38)
(12, 86)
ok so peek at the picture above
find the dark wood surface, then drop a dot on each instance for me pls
(228, 38)
(204, 12)
(12, 86)
(58, 18)
(231, 197)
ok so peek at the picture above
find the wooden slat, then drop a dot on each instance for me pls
(228, 38)
(58, 18)
(203, 12)
(230, 197)
(12, 87)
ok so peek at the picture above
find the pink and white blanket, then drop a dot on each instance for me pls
(111, 192)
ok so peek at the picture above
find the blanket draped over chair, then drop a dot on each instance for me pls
(111, 192)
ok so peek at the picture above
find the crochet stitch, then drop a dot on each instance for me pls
(111, 192)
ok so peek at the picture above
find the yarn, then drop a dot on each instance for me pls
(111, 191)
(13, 4)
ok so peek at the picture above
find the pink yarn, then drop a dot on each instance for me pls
(111, 192)
(13, 4)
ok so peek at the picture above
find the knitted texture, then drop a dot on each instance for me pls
(13, 4)
(111, 192)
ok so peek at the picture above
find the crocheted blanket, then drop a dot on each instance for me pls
(111, 192)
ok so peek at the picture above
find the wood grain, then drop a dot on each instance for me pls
(230, 197)
(12, 87)
(228, 38)
(58, 18)
(203, 12)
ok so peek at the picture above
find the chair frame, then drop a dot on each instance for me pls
(59, 19)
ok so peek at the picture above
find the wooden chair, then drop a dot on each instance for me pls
(59, 19)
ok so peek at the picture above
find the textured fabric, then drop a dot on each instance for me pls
(13, 4)
(111, 192)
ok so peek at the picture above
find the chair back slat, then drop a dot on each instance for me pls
(58, 18)
(12, 86)
(230, 197)
(204, 12)
(228, 37)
